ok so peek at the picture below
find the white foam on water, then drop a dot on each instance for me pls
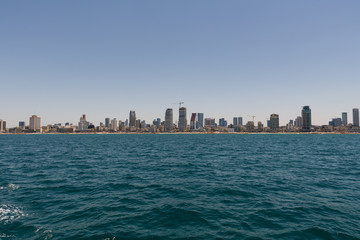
(10, 187)
(5, 236)
(10, 213)
(45, 234)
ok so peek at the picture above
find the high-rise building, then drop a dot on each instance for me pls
(336, 122)
(132, 117)
(193, 121)
(34, 123)
(114, 125)
(209, 122)
(107, 122)
(356, 117)
(344, 118)
(83, 124)
(274, 122)
(222, 122)
(169, 120)
(237, 121)
(22, 125)
(182, 119)
(298, 122)
(138, 123)
(127, 122)
(2, 125)
(158, 122)
(306, 118)
(200, 121)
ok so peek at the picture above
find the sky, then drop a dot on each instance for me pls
(62, 59)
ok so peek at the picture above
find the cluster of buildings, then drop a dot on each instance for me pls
(198, 123)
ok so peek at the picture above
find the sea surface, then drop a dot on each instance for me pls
(182, 186)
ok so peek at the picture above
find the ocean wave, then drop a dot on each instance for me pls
(10, 213)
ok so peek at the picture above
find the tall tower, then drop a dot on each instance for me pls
(193, 121)
(2, 125)
(182, 119)
(168, 120)
(274, 122)
(107, 122)
(34, 123)
(132, 119)
(356, 117)
(344, 118)
(306, 118)
(200, 121)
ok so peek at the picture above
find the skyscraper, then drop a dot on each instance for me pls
(237, 121)
(114, 125)
(168, 120)
(132, 119)
(200, 121)
(107, 122)
(274, 122)
(298, 122)
(306, 118)
(356, 117)
(193, 121)
(34, 123)
(2, 125)
(344, 118)
(182, 119)
(83, 124)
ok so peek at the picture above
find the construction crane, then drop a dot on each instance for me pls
(253, 117)
(180, 103)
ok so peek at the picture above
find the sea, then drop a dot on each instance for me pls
(180, 186)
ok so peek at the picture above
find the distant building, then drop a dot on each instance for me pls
(298, 122)
(83, 124)
(356, 117)
(250, 126)
(200, 121)
(114, 125)
(22, 125)
(336, 122)
(182, 119)
(260, 126)
(274, 122)
(34, 123)
(209, 122)
(222, 122)
(169, 120)
(127, 122)
(138, 123)
(132, 119)
(158, 122)
(2, 125)
(306, 118)
(193, 121)
(344, 118)
(237, 121)
(107, 122)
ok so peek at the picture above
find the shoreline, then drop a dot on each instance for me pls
(187, 133)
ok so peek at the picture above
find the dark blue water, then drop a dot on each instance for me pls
(179, 187)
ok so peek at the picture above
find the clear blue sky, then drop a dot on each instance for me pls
(60, 59)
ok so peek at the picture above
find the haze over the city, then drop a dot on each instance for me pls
(225, 59)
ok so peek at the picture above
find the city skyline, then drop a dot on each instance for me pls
(237, 58)
(132, 117)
